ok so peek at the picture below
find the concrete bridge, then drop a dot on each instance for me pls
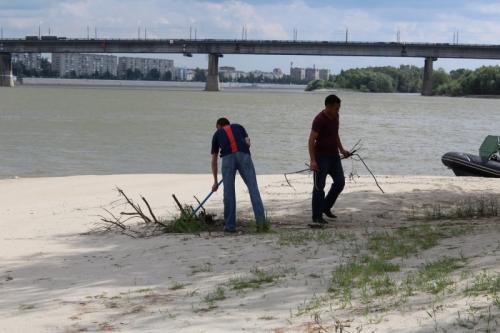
(217, 48)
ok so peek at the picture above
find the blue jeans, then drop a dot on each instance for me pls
(327, 165)
(243, 163)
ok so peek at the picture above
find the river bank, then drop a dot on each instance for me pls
(58, 82)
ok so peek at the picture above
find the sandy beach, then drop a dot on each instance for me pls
(58, 275)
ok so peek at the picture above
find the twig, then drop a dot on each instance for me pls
(178, 204)
(371, 173)
(317, 320)
(137, 208)
(149, 208)
(199, 203)
(116, 221)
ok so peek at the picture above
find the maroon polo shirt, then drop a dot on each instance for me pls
(328, 131)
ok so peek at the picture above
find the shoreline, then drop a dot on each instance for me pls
(61, 82)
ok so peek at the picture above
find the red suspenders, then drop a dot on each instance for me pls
(230, 136)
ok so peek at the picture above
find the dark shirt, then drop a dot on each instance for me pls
(220, 140)
(328, 131)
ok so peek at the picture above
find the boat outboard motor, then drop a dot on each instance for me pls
(490, 148)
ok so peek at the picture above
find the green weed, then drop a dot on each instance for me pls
(485, 283)
(257, 278)
(295, 238)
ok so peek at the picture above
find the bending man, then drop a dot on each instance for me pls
(234, 145)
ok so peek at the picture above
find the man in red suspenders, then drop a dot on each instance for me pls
(234, 145)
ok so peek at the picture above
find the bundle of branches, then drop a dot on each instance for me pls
(141, 222)
(134, 223)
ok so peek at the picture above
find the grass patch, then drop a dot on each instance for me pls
(369, 275)
(186, 222)
(177, 286)
(295, 238)
(378, 266)
(382, 286)
(314, 304)
(472, 207)
(257, 278)
(267, 318)
(217, 295)
(403, 241)
(484, 283)
(207, 267)
(260, 228)
(143, 290)
(435, 277)
(211, 298)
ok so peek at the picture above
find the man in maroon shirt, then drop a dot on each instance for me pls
(324, 147)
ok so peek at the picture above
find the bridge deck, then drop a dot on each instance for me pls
(261, 47)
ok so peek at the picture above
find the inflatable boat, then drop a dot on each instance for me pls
(471, 165)
(487, 164)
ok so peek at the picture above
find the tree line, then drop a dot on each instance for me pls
(408, 79)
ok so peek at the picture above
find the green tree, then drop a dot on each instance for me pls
(439, 77)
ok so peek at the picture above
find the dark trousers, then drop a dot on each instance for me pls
(327, 165)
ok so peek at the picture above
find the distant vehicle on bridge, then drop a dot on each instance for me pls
(44, 38)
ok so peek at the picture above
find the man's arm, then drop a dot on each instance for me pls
(312, 151)
(215, 186)
(341, 148)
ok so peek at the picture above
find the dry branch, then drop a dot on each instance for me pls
(114, 221)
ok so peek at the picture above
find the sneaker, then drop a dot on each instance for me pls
(319, 220)
(230, 231)
(329, 214)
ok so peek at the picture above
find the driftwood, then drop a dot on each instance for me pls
(138, 222)
(137, 216)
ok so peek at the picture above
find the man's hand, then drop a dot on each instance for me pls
(215, 186)
(346, 153)
(313, 166)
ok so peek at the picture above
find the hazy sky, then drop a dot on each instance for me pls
(418, 21)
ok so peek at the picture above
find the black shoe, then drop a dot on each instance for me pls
(329, 214)
(319, 220)
(230, 231)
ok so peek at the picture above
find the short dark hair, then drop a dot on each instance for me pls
(331, 100)
(222, 122)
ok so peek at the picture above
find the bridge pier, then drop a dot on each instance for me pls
(6, 79)
(213, 73)
(427, 83)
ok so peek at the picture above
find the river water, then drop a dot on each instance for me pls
(58, 131)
